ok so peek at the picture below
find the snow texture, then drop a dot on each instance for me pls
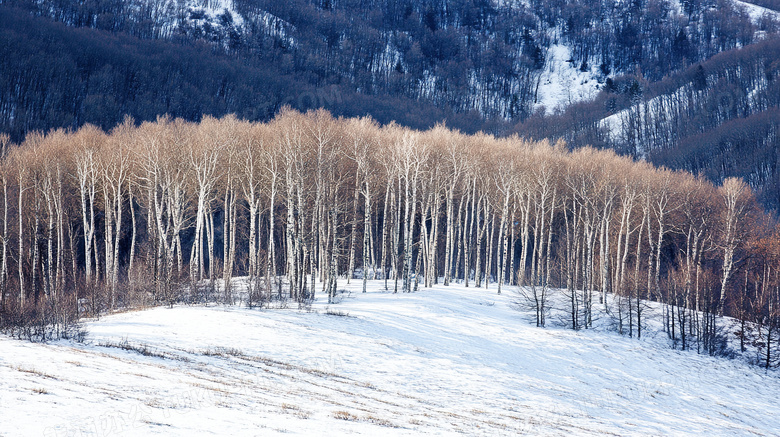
(442, 361)
(214, 8)
(757, 12)
(563, 83)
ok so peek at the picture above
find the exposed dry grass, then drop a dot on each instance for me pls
(295, 411)
(379, 421)
(33, 371)
(345, 415)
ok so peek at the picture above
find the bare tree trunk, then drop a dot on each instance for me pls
(59, 211)
(385, 224)
(570, 261)
(549, 240)
(300, 243)
(176, 206)
(117, 215)
(650, 253)
(604, 248)
(232, 251)
(4, 267)
(252, 250)
(590, 242)
(538, 241)
(291, 237)
(491, 240)
(86, 170)
(271, 271)
(353, 231)
(134, 229)
(451, 235)
(512, 274)
(35, 249)
(480, 234)
(226, 231)
(366, 233)
(73, 263)
(434, 250)
(503, 238)
(333, 269)
(637, 262)
(460, 226)
(526, 213)
(628, 206)
(467, 239)
(411, 213)
(397, 235)
(424, 245)
(49, 278)
(733, 192)
(108, 241)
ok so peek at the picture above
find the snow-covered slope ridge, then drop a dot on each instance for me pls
(756, 12)
(442, 361)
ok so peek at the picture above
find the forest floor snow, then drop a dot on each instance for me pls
(441, 361)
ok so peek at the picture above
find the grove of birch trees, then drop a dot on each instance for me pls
(171, 211)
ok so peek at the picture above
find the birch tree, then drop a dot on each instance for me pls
(736, 198)
(89, 140)
(114, 163)
(362, 141)
(203, 155)
(5, 178)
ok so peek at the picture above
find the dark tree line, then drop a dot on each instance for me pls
(54, 76)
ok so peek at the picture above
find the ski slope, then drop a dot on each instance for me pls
(442, 361)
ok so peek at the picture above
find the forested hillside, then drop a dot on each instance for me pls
(719, 118)
(662, 80)
(468, 54)
(163, 212)
(55, 76)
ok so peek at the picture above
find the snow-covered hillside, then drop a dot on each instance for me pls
(563, 83)
(756, 12)
(445, 361)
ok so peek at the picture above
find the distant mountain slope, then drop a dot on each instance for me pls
(719, 118)
(467, 55)
(54, 76)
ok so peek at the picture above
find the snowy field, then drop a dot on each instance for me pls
(442, 361)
